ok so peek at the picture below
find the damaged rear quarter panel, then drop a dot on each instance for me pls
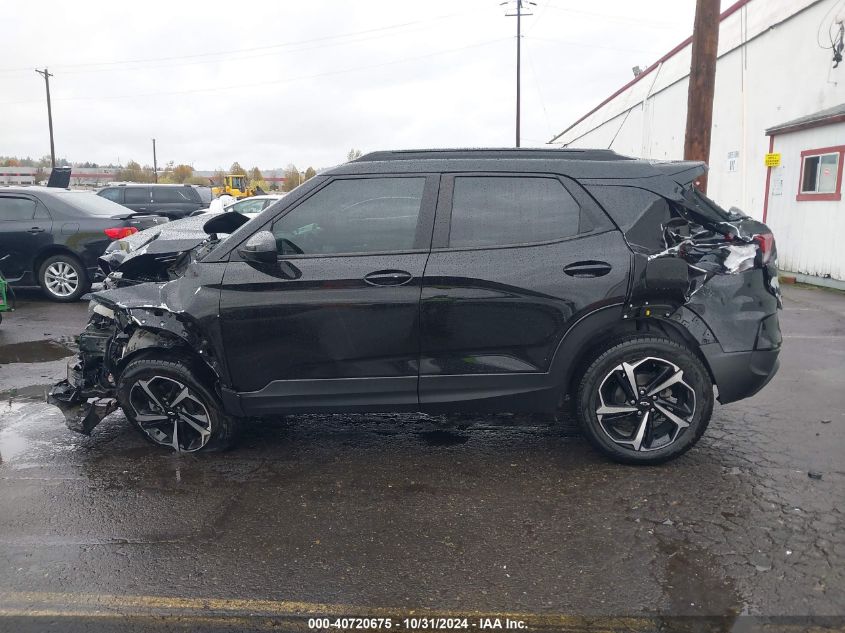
(728, 288)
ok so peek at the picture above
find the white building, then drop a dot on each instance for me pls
(776, 92)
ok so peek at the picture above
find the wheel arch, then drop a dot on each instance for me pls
(594, 332)
(151, 342)
(49, 251)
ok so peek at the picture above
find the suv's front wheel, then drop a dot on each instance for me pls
(645, 400)
(167, 401)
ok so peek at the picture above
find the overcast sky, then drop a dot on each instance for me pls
(270, 83)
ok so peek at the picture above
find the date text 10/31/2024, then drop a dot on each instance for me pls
(416, 624)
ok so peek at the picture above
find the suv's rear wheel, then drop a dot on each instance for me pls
(63, 278)
(171, 407)
(645, 400)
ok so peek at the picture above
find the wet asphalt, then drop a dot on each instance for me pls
(407, 513)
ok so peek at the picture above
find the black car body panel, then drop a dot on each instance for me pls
(61, 221)
(449, 322)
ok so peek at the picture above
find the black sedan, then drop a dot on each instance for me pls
(52, 237)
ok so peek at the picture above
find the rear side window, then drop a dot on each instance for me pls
(16, 208)
(112, 193)
(204, 193)
(364, 215)
(136, 195)
(499, 211)
(174, 195)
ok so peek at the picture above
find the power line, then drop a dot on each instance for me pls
(619, 19)
(539, 89)
(244, 57)
(589, 45)
(272, 82)
(97, 66)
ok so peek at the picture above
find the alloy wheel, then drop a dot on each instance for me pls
(61, 278)
(170, 414)
(645, 405)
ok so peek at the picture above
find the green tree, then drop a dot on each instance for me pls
(237, 169)
(255, 175)
(217, 178)
(309, 174)
(292, 178)
(181, 173)
(133, 172)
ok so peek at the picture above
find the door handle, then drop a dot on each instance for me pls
(388, 278)
(36, 229)
(142, 208)
(588, 268)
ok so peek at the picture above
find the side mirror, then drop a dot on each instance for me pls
(259, 249)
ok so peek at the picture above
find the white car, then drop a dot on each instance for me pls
(251, 206)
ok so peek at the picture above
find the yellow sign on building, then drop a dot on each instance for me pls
(772, 160)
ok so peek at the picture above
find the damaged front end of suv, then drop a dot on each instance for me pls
(155, 313)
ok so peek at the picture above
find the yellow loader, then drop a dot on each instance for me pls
(237, 186)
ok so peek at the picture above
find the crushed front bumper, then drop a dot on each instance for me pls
(81, 414)
(87, 395)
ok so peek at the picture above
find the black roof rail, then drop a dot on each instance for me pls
(503, 152)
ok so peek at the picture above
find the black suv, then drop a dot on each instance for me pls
(52, 237)
(450, 280)
(172, 201)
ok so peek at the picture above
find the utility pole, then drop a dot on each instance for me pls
(520, 11)
(46, 74)
(155, 164)
(702, 83)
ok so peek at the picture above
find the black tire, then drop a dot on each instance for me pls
(652, 361)
(164, 376)
(60, 287)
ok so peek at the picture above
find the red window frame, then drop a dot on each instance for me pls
(822, 197)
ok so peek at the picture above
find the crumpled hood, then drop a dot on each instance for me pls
(150, 295)
(150, 255)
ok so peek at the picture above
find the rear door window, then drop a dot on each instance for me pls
(171, 195)
(112, 193)
(136, 195)
(505, 210)
(16, 208)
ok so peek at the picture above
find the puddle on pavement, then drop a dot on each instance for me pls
(11, 445)
(31, 393)
(34, 352)
(442, 438)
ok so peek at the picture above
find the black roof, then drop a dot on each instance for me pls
(582, 164)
